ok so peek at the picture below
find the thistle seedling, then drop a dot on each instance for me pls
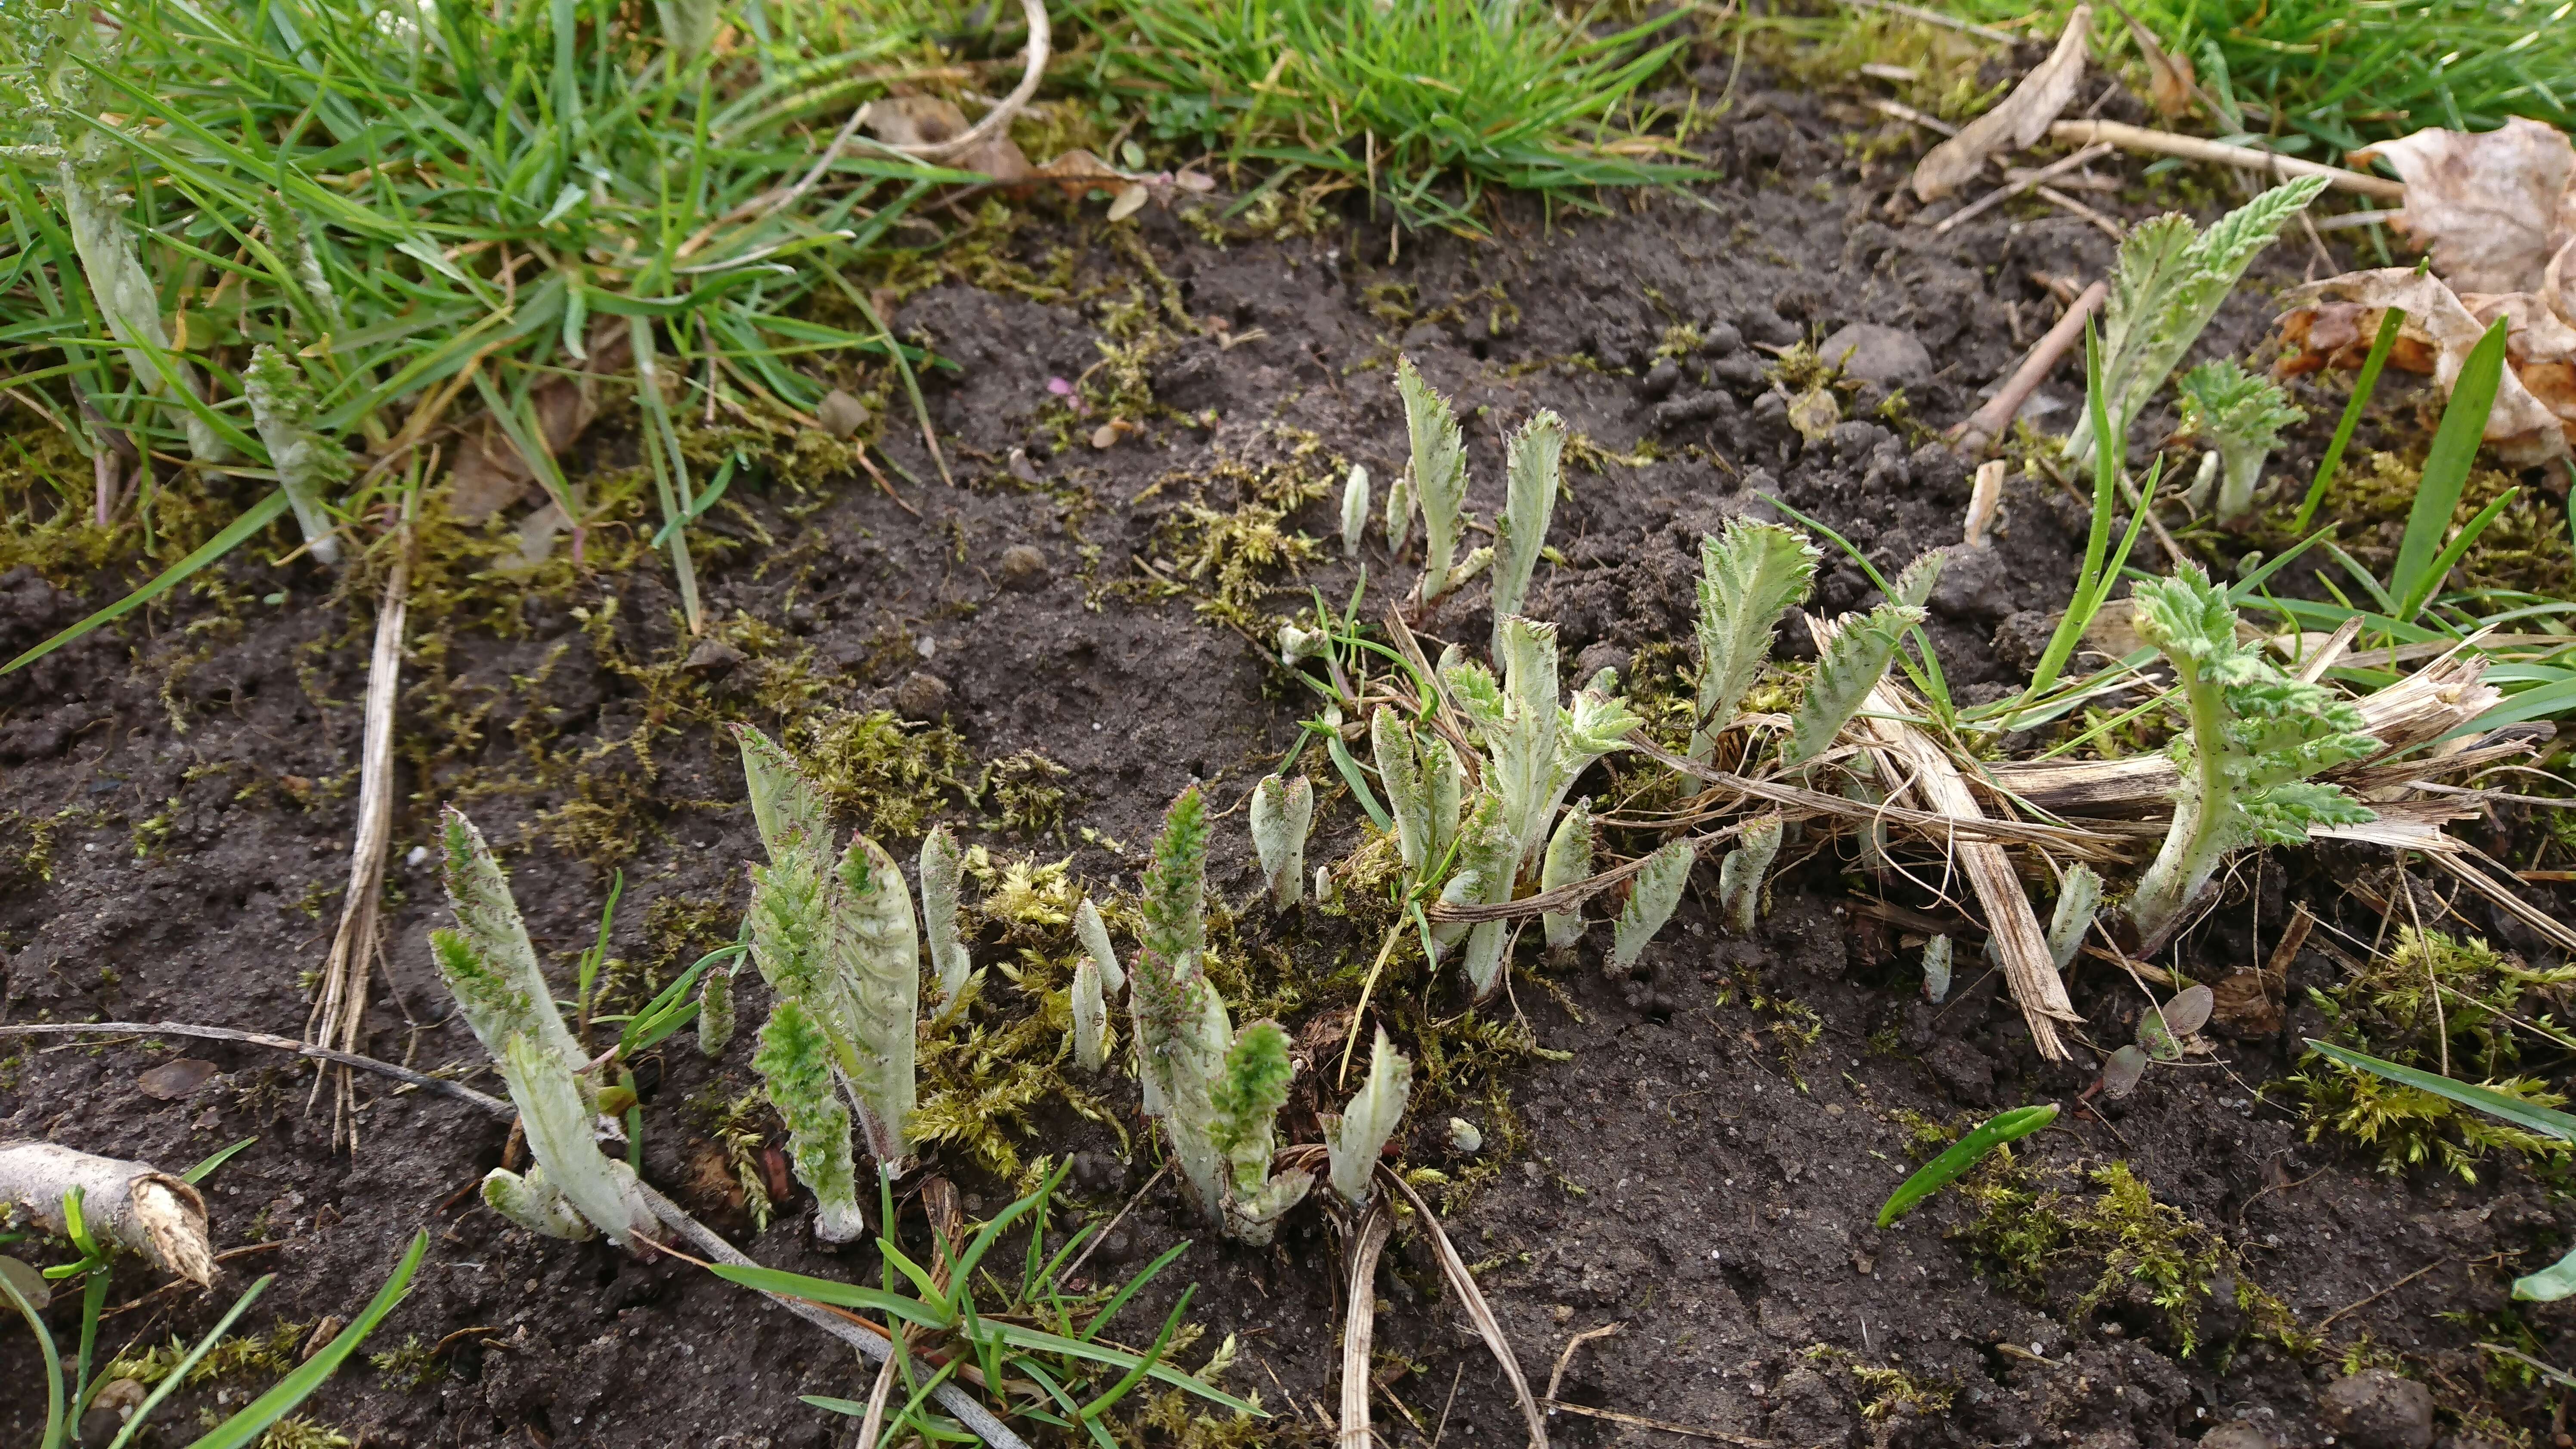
(1438, 478)
(1750, 577)
(2241, 416)
(1652, 896)
(1739, 875)
(1354, 1140)
(2172, 277)
(1090, 1017)
(1215, 1093)
(1850, 666)
(2079, 896)
(1355, 511)
(2254, 738)
(941, 865)
(1399, 513)
(715, 1013)
(1282, 812)
(1422, 778)
(836, 942)
(490, 967)
(1569, 859)
(1533, 470)
(309, 464)
(1094, 936)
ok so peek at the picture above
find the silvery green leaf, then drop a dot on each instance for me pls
(1094, 936)
(1355, 510)
(1749, 576)
(1354, 1140)
(1281, 814)
(308, 464)
(2120, 1074)
(1569, 859)
(1655, 891)
(874, 948)
(555, 1115)
(1439, 474)
(1852, 663)
(715, 1013)
(530, 1201)
(1399, 513)
(941, 866)
(1090, 1017)
(2079, 897)
(1533, 472)
(784, 804)
(1739, 875)
(1914, 585)
(488, 961)
(1936, 970)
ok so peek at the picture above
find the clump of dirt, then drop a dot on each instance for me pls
(1042, 656)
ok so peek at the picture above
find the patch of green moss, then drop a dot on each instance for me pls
(2030, 1227)
(1021, 790)
(2441, 1004)
(1230, 538)
(893, 776)
(411, 1368)
(273, 1352)
(2526, 549)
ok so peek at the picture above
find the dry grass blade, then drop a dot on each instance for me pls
(487, 1104)
(2193, 148)
(2521, 910)
(1364, 1243)
(2029, 971)
(339, 1015)
(1565, 1356)
(1804, 803)
(1473, 1299)
(1687, 1431)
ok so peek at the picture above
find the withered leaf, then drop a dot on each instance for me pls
(2018, 120)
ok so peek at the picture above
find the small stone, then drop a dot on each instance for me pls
(2241, 1434)
(921, 696)
(1597, 657)
(1465, 1138)
(1024, 567)
(1966, 1073)
(177, 1080)
(1888, 356)
(1721, 339)
(713, 656)
(2378, 1409)
(841, 414)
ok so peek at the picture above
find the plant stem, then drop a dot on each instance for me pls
(2198, 835)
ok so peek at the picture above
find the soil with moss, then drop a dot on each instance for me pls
(1043, 655)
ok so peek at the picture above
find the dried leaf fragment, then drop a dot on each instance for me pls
(2019, 120)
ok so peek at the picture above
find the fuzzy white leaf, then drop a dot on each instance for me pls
(1355, 511)
(1652, 895)
(941, 865)
(1852, 663)
(1569, 859)
(1749, 577)
(1533, 472)
(1354, 1140)
(1282, 812)
(1739, 875)
(1439, 474)
(1094, 936)
(2078, 898)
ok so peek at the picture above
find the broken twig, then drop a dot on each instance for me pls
(1980, 430)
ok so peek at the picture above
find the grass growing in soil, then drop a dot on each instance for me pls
(1431, 105)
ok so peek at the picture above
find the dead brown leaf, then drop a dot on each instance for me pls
(489, 474)
(2492, 206)
(2018, 121)
(932, 121)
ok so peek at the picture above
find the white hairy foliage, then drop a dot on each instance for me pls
(1749, 577)
(1739, 875)
(1652, 895)
(1282, 812)
(1354, 1140)
(1853, 662)
(1569, 859)
(1533, 471)
(941, 867)
(1439, 475)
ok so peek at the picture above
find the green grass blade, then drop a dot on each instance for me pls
(179, 1372)
(1947, 1168)
(259, 1414)
(218, 1158)
(258, 516)
(826, 1291)
(2452, 552)
(2446, 466)
(2362, 387)
(53, 1361)
(2531, 1118)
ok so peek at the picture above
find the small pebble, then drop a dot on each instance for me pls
(841, 414)
(1023, 567)
(921, 696)
(1464, 1137)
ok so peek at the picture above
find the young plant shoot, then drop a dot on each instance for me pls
(2254, 738)
(1094, 936)
(715, 1010)
(490, 967)
(1652, 896)
(1936, 970)
(1090, 1017)
(1282, 812)
(1354, 1140)
(941, 865)
(1739, 876)
(1438, 478)
(1355, 511)
(2240, 416)
(2172, 277)
(1569, 859)
(2078, 898)
(1749, 577)
(1422, 777)
(1215, 1093)
(836, 941)
(1853, 662)
(308, 463)
(1533, 471)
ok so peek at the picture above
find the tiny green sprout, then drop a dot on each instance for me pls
(2241, 416)
(1355, 511)
(2079, 896)
(1950, 1166)
(1247, 1099)
(1533, 471)
(1936, 970)
(1399, 513)
(940, 867)
(715, 1012)
(1282, 813)
(1354, 1140)
(1090, 1017)
(1569, 859)
(1853, 662)
(1750, 576)
(1464, 1139)
(1651, 899)
(2255, 737)
(2162, 1029)
(1094, 936)
(1739, 875)
(308, 463)
(1438, 476)
(795, 1066)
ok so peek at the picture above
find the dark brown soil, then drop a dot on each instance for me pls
(1699, 1167)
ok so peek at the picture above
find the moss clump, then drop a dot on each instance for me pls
(2442, 1004)
(1231, 537)
(2029, 1229)
(271, 1353)
(893, 777)
(2525, 550)
(411, 1368)
(1024, 797)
